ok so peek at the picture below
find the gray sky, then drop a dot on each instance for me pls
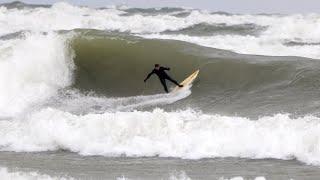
(235, 6)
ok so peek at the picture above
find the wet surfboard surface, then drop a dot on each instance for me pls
(187, 81)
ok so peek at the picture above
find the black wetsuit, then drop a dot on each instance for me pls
(162, 76)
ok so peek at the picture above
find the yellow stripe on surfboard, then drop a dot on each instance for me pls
(187, 81)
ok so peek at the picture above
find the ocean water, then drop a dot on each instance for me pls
(71, 89)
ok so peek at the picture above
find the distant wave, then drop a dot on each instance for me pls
(260, 34)
(203, 29)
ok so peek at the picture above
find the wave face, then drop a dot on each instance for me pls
(228, 83)
(75, 82)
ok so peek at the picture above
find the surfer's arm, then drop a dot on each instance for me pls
(148, 76)
(166, 68)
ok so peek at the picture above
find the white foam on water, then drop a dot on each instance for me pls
(262, 45)
(65, 16)
(179, 176)
(182, 134)
(5, 174)
(280, 29)
(173, 176)
(77, 102)
(17, 175)
(241, 178)
(32, 69)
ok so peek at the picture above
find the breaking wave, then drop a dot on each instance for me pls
(75, 82)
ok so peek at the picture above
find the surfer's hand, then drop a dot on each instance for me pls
(144, 80)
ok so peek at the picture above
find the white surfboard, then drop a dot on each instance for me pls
(187, 81)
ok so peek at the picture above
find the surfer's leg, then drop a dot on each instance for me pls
(174, 81)
(163, 82)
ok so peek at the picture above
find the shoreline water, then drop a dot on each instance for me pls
(66, 164)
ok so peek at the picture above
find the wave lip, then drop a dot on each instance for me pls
(31, 72)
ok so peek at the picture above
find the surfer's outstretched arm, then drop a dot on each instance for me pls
(166, 68)
(148, 76)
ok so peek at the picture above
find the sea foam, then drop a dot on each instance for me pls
(182, 134)
(32, 69)
(280, 29)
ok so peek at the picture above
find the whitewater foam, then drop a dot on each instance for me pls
(19, 175)
(241, 178)
(79, 103)
(261, 45)
(272, 41)
(183, 134)
(32, 69)
(8, 175)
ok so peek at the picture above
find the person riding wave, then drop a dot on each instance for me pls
(160, 72)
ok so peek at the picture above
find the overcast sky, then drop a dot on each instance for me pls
(235, 6)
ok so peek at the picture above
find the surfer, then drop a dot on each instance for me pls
(160, 72)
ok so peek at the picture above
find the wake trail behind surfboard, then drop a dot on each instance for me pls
(175, 94)
(77, 102)
(158, 99)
